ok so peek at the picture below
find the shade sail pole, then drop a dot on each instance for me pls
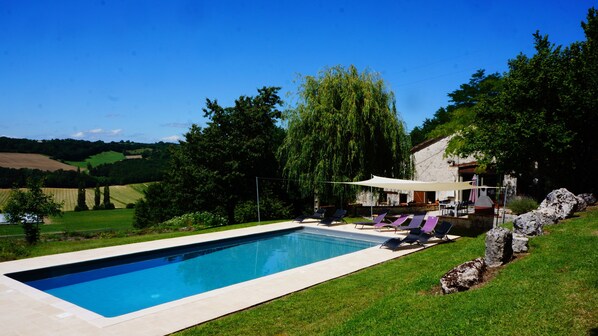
(257, 191)
(371, 199)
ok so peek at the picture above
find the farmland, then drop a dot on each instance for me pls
(98, 159)
(119, 195)
(31, 161)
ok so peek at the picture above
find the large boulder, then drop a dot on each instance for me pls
(589, 198)
(499, 247)
(530, 224)
(582, 205)
(559, 204)
(520, 243)
(463, 277)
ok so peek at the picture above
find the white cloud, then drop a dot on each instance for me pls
(172, 138)
(97, 133)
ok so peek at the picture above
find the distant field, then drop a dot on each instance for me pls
(98, 159)
(32, 161)
(119, 195)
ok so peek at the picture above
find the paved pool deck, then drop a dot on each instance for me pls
(28, 311)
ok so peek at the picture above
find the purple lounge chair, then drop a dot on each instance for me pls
(397, 222)
(376, 220)
(418, 236)
(416, 223)
(430, 224)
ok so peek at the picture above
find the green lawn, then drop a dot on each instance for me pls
(116, 220)
(551, 291)
(98, 159)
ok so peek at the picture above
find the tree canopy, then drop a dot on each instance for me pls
(460, 111)
(345, 127)
(29, 208)
(541, 125)
(215, 167)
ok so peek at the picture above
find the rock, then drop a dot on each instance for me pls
(582, 205)
(559, 204)
(520, 243)
(499, 247)
(589, 198)
(529, 224)
(463, 277)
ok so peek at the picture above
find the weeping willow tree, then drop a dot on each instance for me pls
(344, 127)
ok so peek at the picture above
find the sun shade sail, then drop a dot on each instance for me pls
(398, 184)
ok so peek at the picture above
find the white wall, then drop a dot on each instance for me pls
(432, 166)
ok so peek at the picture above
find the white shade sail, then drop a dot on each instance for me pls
(398, 184)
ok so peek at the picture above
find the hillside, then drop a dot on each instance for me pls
(119, 195)
(32, 161)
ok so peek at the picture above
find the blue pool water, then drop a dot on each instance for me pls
(120, 286)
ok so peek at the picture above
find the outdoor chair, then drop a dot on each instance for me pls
(412, 237)
(397, 222)
(339, 216)
(440, 233)
(430, 224)
(416, 223)
(376, 220)
(319, 214)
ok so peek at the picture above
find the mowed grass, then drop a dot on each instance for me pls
(113, 220)
(119, 195)
(119, 220)
(551, 291)
(98, 159)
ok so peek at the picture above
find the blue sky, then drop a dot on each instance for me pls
(141, 70)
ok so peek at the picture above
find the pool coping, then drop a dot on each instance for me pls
(25, 310)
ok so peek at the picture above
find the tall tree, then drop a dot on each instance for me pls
(345, 127)
(107, 204)
(541, 127)
(29, 208)
(459, 113)
(81, 203)
(97, 197)
(215, 167)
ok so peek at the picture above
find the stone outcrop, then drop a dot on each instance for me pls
(589, 198)
(463, 277)
(520, 243)
(530, 224)
(499, 249)
(582, 205)
(559, 204)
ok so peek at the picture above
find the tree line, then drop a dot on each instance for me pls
(70, 149)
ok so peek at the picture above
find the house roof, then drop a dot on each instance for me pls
(425, 144)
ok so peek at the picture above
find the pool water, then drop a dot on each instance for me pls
(115, 287)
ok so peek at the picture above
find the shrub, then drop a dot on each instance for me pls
(522, 204)
(270, 208)
(194, 220)
(130, 206)
(11, 249)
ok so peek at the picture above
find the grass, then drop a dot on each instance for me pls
(114, 220)
(118, 222)
(119, 195)
(98, 159)
(551, 291)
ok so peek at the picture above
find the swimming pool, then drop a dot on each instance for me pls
(120, 285)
